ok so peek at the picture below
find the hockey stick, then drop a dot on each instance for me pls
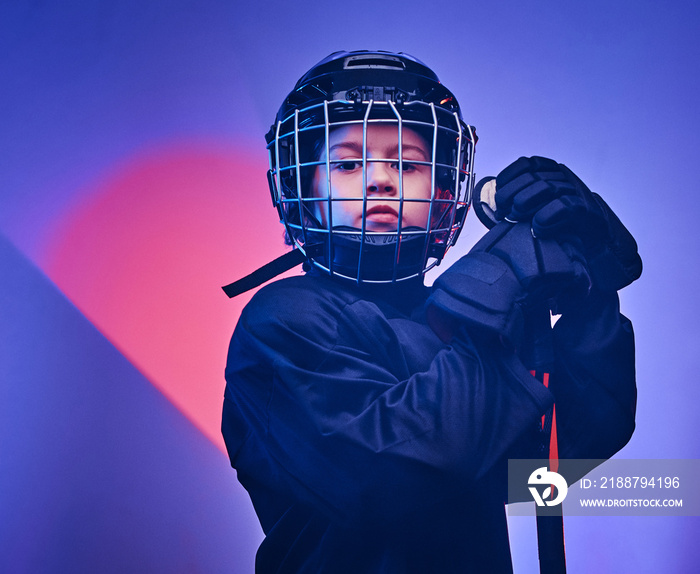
(540, 356)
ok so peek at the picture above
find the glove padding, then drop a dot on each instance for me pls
(561, 207)
(530, 183)
(506, 275)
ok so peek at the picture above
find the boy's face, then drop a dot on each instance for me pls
(382, 184)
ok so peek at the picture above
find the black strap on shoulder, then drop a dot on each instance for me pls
(270, 270)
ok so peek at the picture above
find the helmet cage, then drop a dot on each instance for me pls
(299, 148)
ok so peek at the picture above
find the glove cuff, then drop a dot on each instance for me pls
(483, 293)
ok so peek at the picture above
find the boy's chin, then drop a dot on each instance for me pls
(381, 227)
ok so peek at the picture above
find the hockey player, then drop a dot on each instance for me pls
(369, 417)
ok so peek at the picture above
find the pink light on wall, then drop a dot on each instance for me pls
(144, 259)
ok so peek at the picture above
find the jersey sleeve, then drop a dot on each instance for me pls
(327, 388)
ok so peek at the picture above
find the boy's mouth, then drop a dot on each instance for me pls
(382, 214)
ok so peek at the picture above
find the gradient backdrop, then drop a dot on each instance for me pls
(132, 186)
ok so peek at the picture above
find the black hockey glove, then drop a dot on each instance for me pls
(507, 273)
(561, 207)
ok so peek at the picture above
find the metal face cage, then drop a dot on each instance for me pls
(335, 225)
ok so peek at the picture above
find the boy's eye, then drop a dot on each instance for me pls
(347, 165)
(407, 166)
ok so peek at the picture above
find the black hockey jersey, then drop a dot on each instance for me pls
(368, 445)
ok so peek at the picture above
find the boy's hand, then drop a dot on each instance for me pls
(559, 206)
(507, 272)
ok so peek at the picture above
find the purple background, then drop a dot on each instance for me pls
(98, 470)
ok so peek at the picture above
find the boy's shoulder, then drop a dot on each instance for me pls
(304, 304)
(293, 292)
(297, 301)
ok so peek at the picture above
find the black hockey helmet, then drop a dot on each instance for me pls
(361, 90)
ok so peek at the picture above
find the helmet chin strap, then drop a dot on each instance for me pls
(346, 252)
(271, 270)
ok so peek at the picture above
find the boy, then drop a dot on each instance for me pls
(369, 417)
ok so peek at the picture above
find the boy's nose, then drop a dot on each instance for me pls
(380, 178)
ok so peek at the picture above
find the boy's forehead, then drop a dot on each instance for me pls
(377, 135)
